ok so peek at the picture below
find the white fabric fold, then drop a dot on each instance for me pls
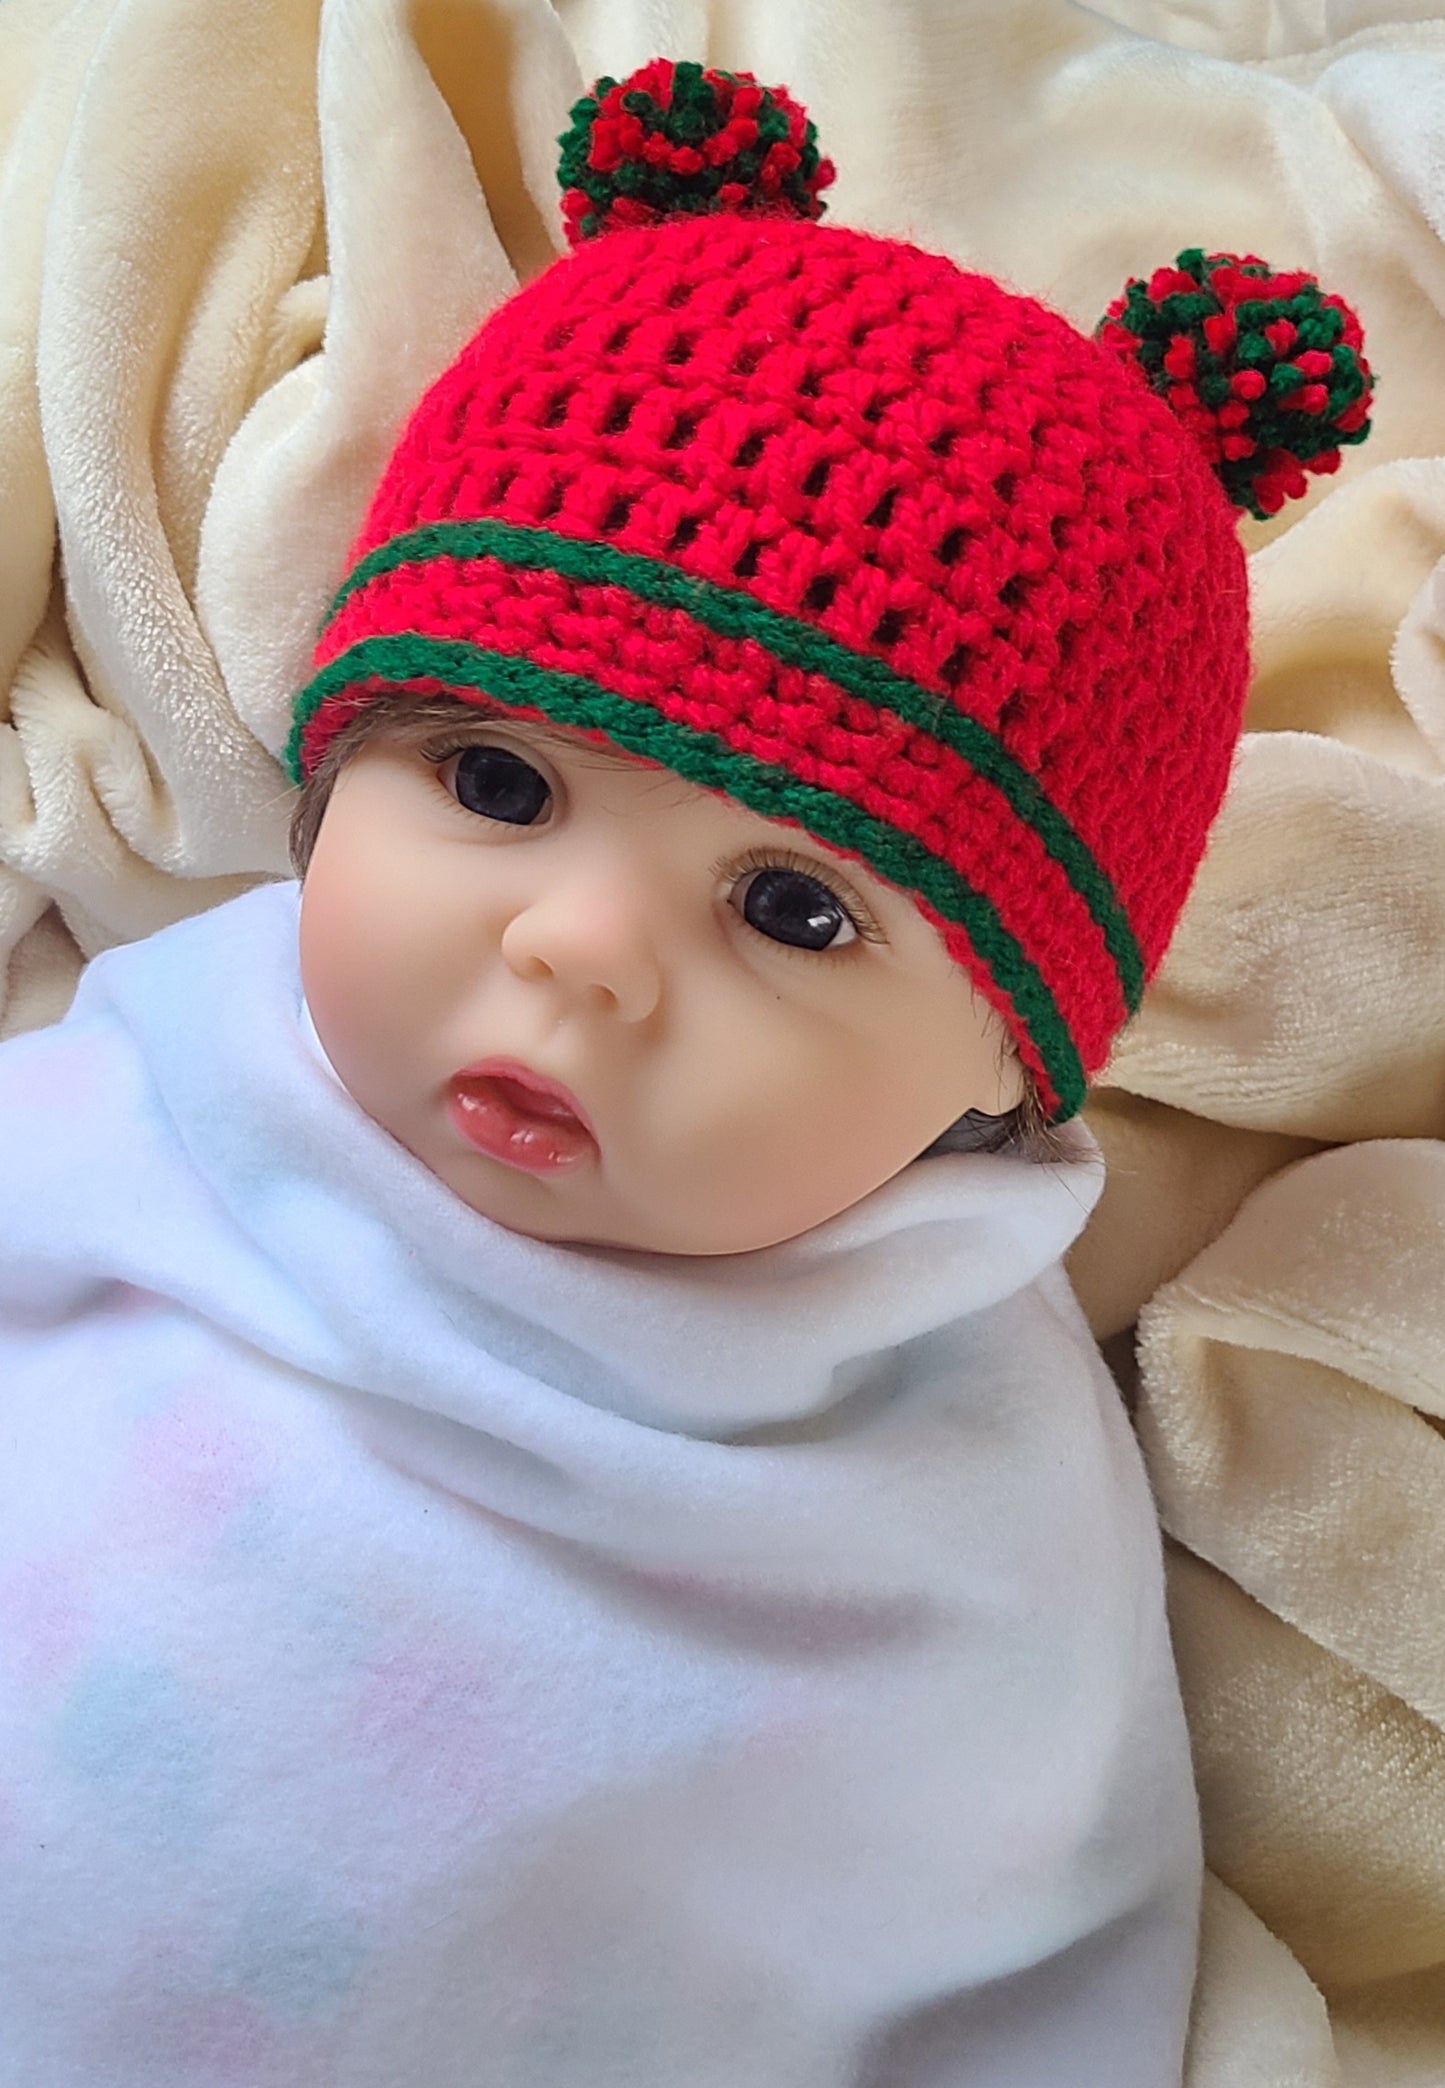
(748, 1668)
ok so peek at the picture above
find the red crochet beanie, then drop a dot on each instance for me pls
(870, 544)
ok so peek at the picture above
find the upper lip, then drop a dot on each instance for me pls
(522, 1076)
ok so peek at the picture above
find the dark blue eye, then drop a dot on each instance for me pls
(788, 907)
(499, 784)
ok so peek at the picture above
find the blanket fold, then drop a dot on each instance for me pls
(1291, 1410)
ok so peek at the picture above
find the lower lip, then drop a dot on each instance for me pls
(502, 1121)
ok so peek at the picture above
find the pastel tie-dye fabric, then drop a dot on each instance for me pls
(432, 1656)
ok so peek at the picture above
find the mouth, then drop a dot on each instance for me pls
(505, 1110)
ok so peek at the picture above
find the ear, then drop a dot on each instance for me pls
(1009, 1083)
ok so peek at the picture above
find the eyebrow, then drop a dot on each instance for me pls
(472, 719)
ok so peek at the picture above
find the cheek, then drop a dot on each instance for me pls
(783, 1111)
(766, 1104)
(351, 959)
(325, 937)
(364, 905)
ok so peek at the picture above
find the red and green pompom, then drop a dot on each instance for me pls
(1266, 368)
(683, 140)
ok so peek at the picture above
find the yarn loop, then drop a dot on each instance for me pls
(1266, 370)
(685, 140)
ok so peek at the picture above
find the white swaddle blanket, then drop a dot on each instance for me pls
(431, 1655)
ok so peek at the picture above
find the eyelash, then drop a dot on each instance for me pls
(732, 870)
(728, 869)
(437, 754)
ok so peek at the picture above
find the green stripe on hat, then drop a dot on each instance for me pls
(731, 613)
(765, 787)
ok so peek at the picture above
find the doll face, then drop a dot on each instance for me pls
(605, 1006)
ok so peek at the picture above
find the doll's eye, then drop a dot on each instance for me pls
(500, 784)
(789, 907)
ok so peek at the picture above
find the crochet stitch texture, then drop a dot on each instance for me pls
(866, 542)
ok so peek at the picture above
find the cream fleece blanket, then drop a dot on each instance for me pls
(235, 242)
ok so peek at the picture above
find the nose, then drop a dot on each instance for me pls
(590, 936)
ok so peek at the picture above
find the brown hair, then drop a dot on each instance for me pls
(1023, 1131)
(396, 716)
(402, 719)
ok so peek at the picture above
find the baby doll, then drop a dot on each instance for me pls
(542, 1543)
